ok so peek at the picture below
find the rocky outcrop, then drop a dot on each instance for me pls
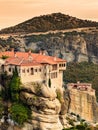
(45, 105)
(84, 104)
(73, 46)
(54, 109)
(50, 108)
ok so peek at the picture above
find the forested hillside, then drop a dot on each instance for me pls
(83, 72)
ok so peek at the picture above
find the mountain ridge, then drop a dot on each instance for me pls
(44, 23)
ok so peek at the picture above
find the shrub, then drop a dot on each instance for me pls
(20, 113)
(80, 127)
(4, 57)
(1, 109)
(59, 96)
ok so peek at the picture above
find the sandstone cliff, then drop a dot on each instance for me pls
(46, 106)
(84, 104)
(51, 108)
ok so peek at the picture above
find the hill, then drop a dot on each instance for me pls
(55, 21)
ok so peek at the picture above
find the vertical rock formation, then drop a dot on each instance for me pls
(50, 107)
(83, 103)
(45, 107)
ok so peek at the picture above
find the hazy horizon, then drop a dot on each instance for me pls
(13, 12)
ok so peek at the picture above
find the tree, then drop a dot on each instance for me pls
(15, 86)
(5, 80)
(19, 113)
(83, 72)
(1, 109)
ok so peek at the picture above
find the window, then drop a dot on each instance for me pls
(44, 74)
(27, 70)
(59, 65)
(32, 71)
(23, 71)
(39, 69)
(35, 70)
(62, 65)
(9, 69)
(54, 75)
(54, 67)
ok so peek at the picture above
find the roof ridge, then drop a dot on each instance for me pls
(21, 61)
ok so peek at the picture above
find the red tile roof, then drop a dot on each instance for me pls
(29, 59)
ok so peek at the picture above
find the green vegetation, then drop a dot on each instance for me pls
(19, 113)
(1, 109)
(11, 93)
(81, 127)
(4, 57)
(83, 72)
(5, 80)
(15, 86)
(59, 96)
(55, 21)
(37, 87)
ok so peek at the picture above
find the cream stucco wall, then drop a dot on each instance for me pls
(57, 81)
(28, 77)
(42, 73)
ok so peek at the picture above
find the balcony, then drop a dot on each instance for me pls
(62, 66)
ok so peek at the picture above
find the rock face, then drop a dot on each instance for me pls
(50, 107)
(73, 45)
(83, 104)
(45, 107)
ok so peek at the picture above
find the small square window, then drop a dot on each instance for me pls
(23, 70)
(40, 70)
(35, 70)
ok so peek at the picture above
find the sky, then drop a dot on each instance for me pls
(13, 12)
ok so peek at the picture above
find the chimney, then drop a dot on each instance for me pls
(55, 58)
(78, 82)
(15, 55)
(29, 53)
(30, 58)
(42, 52)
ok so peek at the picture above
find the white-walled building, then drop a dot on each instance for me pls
(85, 87)
(35, 67)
